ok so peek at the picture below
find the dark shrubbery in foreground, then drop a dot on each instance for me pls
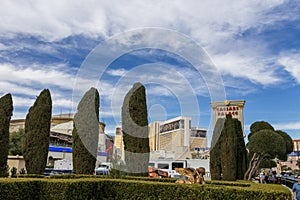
(37, 134)
(6, 108)
(106, 188)
(85, 133)
(135, 131)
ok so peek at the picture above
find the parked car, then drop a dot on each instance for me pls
(103, 169)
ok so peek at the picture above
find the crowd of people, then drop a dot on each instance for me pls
(269, 178)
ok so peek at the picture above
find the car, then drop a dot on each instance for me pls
(102, 170)
(278, 175)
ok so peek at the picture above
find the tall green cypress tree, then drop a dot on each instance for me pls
(135, 131)
(86, 133)
(37, 134)
(230, 151)
(6, 109)
(215, 152)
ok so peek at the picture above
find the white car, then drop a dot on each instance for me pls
(102, 170)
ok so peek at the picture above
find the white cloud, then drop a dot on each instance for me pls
(117, 72)
(36, 75)
(3, 47)
(14, 88)
(213, 24)
(287, 126)
(22, 101)
(59, 19)
(216, 25)
(256, 69)
(159, 91)
(59, 102)
(291, 63)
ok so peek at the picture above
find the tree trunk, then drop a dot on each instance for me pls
(250, 166)
(261, 158)
(254, 164)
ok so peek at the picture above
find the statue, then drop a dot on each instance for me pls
(195, 176)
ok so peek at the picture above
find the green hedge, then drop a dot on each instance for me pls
(105, 188)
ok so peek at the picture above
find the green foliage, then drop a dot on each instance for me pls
(96, 188)
(118, 168)
(268, 163)
(22, 171)
(31, 176)
(13, 172)
(6, 109)
(229, 152)
(37, 134)
(264, 144)
(85, 133)
(259, 125)
(15, 142)
(288, 144)
(215, 152)
(135, 131)
(268, 143)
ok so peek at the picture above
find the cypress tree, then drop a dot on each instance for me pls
(215, 153)
(86, 133)
(15, 142)
(135, 131)
(37, 134)
(6, 109)
(230, 151)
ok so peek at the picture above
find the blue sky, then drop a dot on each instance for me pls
(254, 46)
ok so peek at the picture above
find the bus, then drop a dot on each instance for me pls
(169, 165)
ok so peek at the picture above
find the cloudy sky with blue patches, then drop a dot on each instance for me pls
(254, 45)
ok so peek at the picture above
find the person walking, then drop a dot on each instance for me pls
(296, 189)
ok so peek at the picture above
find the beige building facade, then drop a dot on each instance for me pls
(61, 138)
(292, 159)
(229, 107)
(16, 161)
(173, 138)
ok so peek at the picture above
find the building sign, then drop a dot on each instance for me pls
(198, 133)
(169, 126)
(294, 153)
(227, 110)
(228, 107)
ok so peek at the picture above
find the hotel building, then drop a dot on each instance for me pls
(174, 138)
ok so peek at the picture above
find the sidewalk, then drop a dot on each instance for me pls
(287, 188)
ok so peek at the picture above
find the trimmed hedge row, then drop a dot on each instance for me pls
(97, 188)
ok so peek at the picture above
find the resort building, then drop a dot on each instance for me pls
(60, 147)
(173, 139)
(293, 159)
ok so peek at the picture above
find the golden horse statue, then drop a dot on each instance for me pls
(195, 176)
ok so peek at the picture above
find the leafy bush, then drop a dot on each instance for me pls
(13, 172)
(105, 188)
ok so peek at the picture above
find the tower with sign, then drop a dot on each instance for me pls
(228, 107)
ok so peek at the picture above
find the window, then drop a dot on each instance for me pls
(177, 165)
(151, 164)
(163, 166)
(198, 133)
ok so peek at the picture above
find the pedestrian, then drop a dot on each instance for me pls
(261, 177)
(266, 178)
(296, 189)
